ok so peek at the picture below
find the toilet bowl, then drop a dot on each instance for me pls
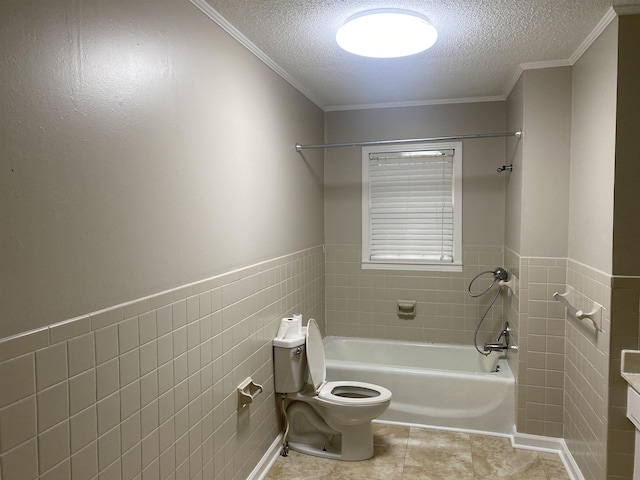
(327, 419)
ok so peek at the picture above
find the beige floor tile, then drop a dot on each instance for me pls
(390, 434)
(553, 466)
(298, 466)
(438, 439)
(386, 464)
(411, 472)
(433, 454)
(494, 457)
(403, 453)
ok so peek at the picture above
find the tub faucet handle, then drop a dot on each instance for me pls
(504, 334)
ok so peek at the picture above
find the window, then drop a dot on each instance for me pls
(412, 207)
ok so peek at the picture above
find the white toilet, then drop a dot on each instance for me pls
(326, 419)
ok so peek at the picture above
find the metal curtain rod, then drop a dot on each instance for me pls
(409, 140)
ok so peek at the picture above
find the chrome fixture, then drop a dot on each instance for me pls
(500, 275)
(505, 167)
(447, 138)
(497, 346)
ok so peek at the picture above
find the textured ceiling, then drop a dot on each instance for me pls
(480, 46)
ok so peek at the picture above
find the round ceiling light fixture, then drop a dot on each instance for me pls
(386, 33)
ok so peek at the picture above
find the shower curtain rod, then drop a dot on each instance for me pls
(409, 140)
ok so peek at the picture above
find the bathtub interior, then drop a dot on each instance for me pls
(446, 386)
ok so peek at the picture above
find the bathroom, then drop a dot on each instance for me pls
(158, 223)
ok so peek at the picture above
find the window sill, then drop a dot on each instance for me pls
(417, 267)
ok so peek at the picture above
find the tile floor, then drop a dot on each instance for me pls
(409, 453)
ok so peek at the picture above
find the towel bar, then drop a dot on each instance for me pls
(595, 316)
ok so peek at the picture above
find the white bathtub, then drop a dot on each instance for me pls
(450, 386)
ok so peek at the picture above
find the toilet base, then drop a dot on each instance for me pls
(355, 450)
(315, 450)
(310, 434)
(357, 442)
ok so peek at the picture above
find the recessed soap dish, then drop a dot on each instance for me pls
(406, 308)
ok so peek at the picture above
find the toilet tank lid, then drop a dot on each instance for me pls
(291, 342)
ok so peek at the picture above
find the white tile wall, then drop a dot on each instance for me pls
(146, 390)
(362, 303)
(568, 381)
(541, 336)
(587, 373)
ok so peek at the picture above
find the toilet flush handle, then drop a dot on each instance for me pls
(297, 351)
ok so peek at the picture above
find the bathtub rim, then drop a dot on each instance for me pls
(505, 374)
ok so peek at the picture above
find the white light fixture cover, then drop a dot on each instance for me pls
(386, 33)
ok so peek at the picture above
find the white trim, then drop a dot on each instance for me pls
(523, 441)
(456, 265)
(198, 286)
(540, 443)
(513, 80)
(223, 23)
(531, 66)
(595, 33)
(526, 441)
(268, 459)
(412, 267)
(545, 64)
(626, 9)
(612, 13)
(421, 103)
(444, 429)
(593, 269)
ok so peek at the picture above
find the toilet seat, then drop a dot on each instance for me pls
(341, 392)
(353, 393)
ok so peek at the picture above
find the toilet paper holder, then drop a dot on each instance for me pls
(406, 308)
(247, 392)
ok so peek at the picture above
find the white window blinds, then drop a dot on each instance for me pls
(412, 216)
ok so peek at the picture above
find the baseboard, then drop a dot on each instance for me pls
(523, 441)
(268, 459)
(548, 444)
(446, 429)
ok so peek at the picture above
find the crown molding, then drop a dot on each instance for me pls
(626, 9)
(223, 23)
(545, 64)
(531, 66)
(612, 13)
(422, 103)
(595, 33)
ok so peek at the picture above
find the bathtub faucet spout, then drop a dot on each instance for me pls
(495, 347)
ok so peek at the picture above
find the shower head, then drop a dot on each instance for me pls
(500, 274)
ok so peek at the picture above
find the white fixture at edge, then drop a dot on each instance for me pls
(386, 33)
(630, 371)
(326, 419)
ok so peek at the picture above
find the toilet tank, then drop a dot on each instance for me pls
(289, 364)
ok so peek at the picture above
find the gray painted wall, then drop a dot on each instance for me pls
(142, 148)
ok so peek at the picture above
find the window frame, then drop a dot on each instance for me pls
(434, 266)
